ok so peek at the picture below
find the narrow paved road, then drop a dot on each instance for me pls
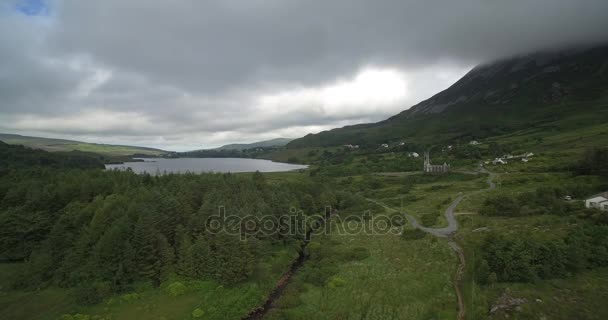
(448, 232)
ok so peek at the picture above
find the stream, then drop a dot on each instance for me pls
(445, 232)
(277, 292)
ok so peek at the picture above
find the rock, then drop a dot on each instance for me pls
(507, 303)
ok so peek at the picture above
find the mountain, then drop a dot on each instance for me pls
(562, 89)
(49, 144)
(279, 142)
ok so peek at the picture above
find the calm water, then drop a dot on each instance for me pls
(197, 165)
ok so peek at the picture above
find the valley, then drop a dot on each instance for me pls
(500, 230)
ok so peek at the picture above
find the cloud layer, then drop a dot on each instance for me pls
(191, 74)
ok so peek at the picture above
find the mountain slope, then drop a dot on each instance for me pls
(279, 142)
(49, 144)
(567, 88)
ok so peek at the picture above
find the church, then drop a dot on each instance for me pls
(434, 169)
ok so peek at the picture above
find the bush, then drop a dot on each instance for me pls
(198, 313)
(413, 234)
(176, 289)
(501, 205)
(335, 282)
(429, 219)
(129, 297)
(357, 254)
(92, 294)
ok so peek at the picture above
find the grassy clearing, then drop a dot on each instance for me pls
(424, 197)
(401, 279)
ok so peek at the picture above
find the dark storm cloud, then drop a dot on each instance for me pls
(211, 45)
(183, 69)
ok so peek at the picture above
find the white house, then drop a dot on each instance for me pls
(499, 161)
(474, 143)
(598, 201)
(384, 145)
(413, 155)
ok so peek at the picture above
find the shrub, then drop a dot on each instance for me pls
(198, 313)
(176, 289)
(413, 234)
(335, 282)
(429, 219)
(129, 297)
(357, 254)
(92, 294)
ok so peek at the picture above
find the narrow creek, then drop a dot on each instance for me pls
(277, 292)
(446, 232)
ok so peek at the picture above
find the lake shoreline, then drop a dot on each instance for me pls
(156, 166)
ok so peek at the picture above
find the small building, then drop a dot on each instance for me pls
(413, 154)
(474, 143)
(384, 145)
(598, 201)
(524, 160)
(529, 155)
(401, 143)
(499, 161)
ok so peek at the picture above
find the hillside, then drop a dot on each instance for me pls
(279, 142)
(54, 145)
(556, 91)
(17, 156)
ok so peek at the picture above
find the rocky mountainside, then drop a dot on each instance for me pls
(494, 98)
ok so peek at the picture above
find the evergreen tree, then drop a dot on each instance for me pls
(145, 244)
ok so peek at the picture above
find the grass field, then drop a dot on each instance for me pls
(401, 279)
(70, 145)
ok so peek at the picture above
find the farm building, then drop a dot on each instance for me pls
(598, 201)
(499, 161)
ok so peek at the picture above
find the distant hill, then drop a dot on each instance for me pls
(279, 142)
(18, 156)
(550, 91)
(49, 144)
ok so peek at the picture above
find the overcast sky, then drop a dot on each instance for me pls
(183, 75)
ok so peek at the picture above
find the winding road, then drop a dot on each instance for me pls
(448, 232)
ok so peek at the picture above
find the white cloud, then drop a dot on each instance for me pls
(371, 89)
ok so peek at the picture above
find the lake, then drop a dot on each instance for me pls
(198, 165)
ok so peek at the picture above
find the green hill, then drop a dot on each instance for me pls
(53, 145)
(279, 142)
(546, 93)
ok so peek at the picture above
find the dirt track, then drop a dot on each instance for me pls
(448, 232)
